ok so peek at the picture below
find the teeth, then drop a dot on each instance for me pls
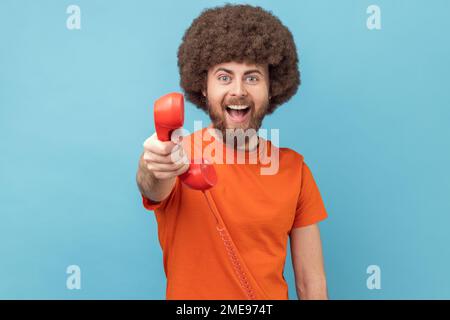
(237, 107)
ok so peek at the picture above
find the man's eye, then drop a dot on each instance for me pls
(252, 78)
(224, 78)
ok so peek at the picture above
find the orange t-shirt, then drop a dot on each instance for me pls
(259, 211)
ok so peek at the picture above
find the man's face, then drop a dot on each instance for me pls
(237, 95)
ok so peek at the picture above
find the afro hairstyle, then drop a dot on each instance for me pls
(239, 33)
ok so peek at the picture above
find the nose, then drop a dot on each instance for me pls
(238, 89)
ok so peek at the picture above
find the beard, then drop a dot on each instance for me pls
(219, 120)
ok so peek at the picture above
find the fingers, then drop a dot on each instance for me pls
(165, 167)
(163, 148)
(164, 159)
(154, 157)
(170, 174)
(178, 154)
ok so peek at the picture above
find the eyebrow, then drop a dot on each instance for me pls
(245, 73)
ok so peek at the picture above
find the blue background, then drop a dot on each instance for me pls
(371, 119)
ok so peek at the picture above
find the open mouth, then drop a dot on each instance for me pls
(238, 113)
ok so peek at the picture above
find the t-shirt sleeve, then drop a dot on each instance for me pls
(153, 205)
(310, 207)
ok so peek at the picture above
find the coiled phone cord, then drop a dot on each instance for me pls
(231, 248)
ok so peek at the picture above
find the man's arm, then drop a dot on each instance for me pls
(152, 188)
(307, 260)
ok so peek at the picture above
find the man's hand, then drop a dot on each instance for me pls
(164, 159)
(160, 164)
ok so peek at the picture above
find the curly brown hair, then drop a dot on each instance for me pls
(240, 33)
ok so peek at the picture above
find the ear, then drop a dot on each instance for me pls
(204, 93)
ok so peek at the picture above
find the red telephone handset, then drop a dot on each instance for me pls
(169, 116)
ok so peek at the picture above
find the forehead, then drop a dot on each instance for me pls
(238, 67)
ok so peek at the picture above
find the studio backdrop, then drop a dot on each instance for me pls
(77, 84)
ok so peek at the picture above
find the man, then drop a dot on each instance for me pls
(238, 63)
